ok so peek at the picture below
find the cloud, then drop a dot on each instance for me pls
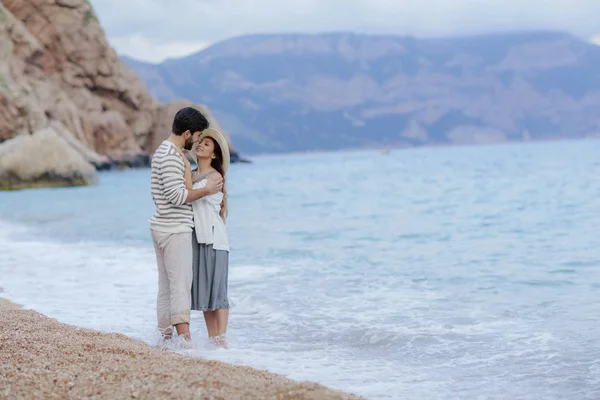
(156, 29)
(142, 48)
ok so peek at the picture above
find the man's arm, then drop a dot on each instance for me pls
(214, 184)
(196, 194)
(172, 170)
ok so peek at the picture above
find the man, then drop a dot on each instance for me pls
(171, 226)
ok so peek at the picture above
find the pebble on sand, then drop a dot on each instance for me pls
(43, 358)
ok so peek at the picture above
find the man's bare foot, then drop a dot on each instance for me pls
(183, 330)
(187, 337)
(186, 342)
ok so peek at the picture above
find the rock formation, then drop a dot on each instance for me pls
(58, 74)
(42, 159)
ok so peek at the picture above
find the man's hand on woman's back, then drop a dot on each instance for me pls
(214, 183)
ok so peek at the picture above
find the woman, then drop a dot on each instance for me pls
(209, 239)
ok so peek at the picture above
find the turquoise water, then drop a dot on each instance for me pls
(443, 273)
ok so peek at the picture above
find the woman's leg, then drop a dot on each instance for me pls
(211, 323)
(222, 317)
(221, 283)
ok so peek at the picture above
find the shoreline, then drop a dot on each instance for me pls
(392, 147)
(43, 358)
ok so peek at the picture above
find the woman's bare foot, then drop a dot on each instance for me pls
(221, 341)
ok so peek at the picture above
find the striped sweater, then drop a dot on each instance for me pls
(172, 214)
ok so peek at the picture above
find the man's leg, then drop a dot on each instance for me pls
(163, 299)
(178, 262)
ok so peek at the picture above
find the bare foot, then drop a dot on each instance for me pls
(187, 337)
(185, 341)
(221, 341)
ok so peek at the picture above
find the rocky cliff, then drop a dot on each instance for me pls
(341, 90)
(58, 72)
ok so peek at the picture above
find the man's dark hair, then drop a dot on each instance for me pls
(189, 118)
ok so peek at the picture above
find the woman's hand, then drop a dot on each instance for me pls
(186, 161)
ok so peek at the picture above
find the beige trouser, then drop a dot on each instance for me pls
(174, 260)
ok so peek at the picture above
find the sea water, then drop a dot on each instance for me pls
(439, 273)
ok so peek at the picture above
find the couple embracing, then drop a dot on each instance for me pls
(188, 227)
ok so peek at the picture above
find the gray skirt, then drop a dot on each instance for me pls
(209, 284)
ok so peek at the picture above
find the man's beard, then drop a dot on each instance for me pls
(189, 143)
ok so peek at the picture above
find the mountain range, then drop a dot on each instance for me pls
(308, 92)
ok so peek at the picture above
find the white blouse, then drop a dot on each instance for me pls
(209, 226)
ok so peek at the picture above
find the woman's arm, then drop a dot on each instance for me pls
(187, 171)
(187, 176)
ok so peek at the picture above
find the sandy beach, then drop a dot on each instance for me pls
(43, 358)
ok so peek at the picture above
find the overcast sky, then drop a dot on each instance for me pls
(153, 30)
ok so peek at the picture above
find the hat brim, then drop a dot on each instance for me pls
(221, 141)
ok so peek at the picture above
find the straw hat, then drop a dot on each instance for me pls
(221, 141)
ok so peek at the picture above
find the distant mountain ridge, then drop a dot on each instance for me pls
(297, 92)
